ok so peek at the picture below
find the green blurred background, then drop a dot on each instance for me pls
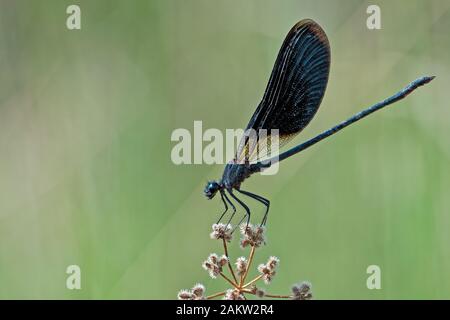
(85, 123)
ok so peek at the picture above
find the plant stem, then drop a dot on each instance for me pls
(225, 248)
(216, 295)
(278, 296)
(247, 291)
(230, 281)
(253, 281)
(250, 258)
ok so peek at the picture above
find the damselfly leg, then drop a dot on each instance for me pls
(224, 196)
(258, 198)
(247, 210)
(224, 204)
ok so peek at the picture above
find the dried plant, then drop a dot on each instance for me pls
(253, 237)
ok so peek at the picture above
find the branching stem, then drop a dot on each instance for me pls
(225, 248)
(250, 259)
(252, 282)
(230, 281)
(219, 294)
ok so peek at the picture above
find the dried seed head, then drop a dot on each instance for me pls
(214, 264)
(185, 295)
(233, 294)
(268, 269)
(273, 262)
(223, 260)
(244, 243)
(267, 273)
(302, 291)
(241, 265)
(268, 277)
(212, 269)
(198, 291)
(253, 236)
(263, 269)
(213, 258)
(260, 293)
(221, 231)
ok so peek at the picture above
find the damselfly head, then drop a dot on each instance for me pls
(211, 189)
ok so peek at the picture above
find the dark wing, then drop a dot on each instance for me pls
(294, 92)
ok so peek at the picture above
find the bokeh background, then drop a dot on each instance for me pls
(85, 123)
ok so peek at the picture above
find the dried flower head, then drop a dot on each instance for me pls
(302, 291)
(241, 265)
(260, 293)
(273, 262)
(233, 294)
(199, 291)
(221, 231)
(236, 277)
(214, 264)
(185, 295)
(252, 236)
(268, 270)
(196, 293)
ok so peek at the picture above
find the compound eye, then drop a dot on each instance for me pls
(211, 186)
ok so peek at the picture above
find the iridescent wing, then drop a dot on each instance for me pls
(294, 92)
